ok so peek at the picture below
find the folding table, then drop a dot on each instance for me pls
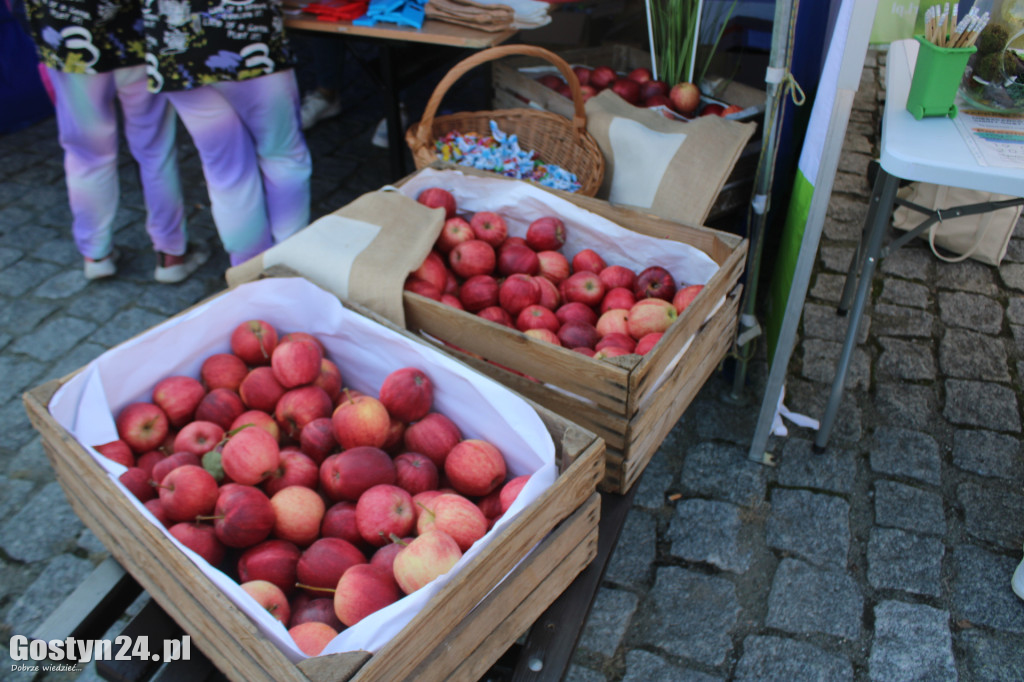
(928, 150)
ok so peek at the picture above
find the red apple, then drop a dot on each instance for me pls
(602, 76)
(457, 516)
(640, 75)
(157, 510)
(250, 456)
(362, 420)
(553, 266)
(220, 406)
(329, 379)
(574, 334)
(546, 234)
(475, 467)
(587, 91)
(348, 474)
(537, 317)
(303, 336)
(436, 197)
(433, 270)
(198, 437)
(610, 352)
(143, 426)
(364, 589)
(453, 301)
(646, 342)
(650, 315)
(627, 89)
(619, 297)
(617, 339)
(385, 556)
(117, 451)
(137, 481)
(315, 610)
(473, 257)
(312, 636)
(382, 511)
(422, 287)
(434, 436)
(187, 492)
(583, 286)
(396, 429)
(582, 74)
(615, 321)
(658, 100)
(615, 276)
(270, 597)
(685, 98)
(545, 335)
(201, 539)
(479, 292)
(260, 389)
(407, 393)
(147, 460)
(272, 560)
(253, 341)
(316, 439)
(489, 227)
(340, 522)
(324, 562)
(497, 314)
(490, 505)
(429, 556)
(517, 258)
(178, 397)
(172, 462)
(510, 491)
(260, 420)
(712, 109)
(295, 468)
(588, 259)
(296, 363)
(582, 350)
(685, 296)
(298, 512)
(243, 516)
(550, 80)
(222, 370)
(455, 231)
(517, 292)
(574, 310)
(655, 282)
(652, 88)
(415, 472)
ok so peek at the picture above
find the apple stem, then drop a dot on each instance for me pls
(397, 540)
(209, 518)
(303, 586)
(234, 431)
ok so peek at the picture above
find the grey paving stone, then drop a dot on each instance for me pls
(822, 322)
(981, 589)
(836, 258)
(905, 561)
(578, 673)
(57, 580)
(1014, 251)
(1018, 338)
(709, 532)
(1014, 309)
(717, 420)
(989, 454)
(643, 666)
(8, 256)
(14, 422)
(88, 541)
(839, 231)
(723, 472)
(690, 614)
(907, 405)
(21, 316)
(4, 340)
(610, 615)
(125, 325)
(654, 482)
(13, 493)
(851, 183)
(912, 642)
(780, 658)
(905, 452)
(984, 404)
(828, 287)
(19, 278)
(105, 299)
(1012, 275)
(854, 162)
(19, 375)
(52, 339)
(992, 515)
(633, 558)
(24, 538)
(909, 360)
(898, 320)
(810, 398)
(990, 656)
(910, 263)
(847, 209)
(62, 285)
(902, 292)
(903, 506)
(968, 276)
(799, 466)
(61, 251)
(981, 313)
(820, 359)
(814, 527)
(806, 600)
(970, 355)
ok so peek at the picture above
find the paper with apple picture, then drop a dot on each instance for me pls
(366, 353)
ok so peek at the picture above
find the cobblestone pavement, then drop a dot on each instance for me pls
(887, 558)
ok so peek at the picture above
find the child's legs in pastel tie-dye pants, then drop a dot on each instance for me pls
(254, 156)
(87, 121)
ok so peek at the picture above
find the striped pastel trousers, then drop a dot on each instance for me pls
(86, 108)
(254, 156)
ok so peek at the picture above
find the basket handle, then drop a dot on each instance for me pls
(579, 120)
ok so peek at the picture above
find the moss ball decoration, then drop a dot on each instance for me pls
(992, 39)
(989, 68)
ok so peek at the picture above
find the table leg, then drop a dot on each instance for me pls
(882, 198)
(857, 263)
(396, 149)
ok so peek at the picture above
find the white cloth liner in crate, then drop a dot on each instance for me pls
(366, 353)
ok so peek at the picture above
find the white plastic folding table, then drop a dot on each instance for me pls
(927, 150)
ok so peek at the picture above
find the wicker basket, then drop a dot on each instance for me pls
(555, 139)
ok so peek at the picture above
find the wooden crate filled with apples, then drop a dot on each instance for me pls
(313, 493)
(611, 317)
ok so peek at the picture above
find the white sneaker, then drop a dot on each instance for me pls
(316, 108)
(101, 269)
(380, 135)
(1017, 582)
(172, 274)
